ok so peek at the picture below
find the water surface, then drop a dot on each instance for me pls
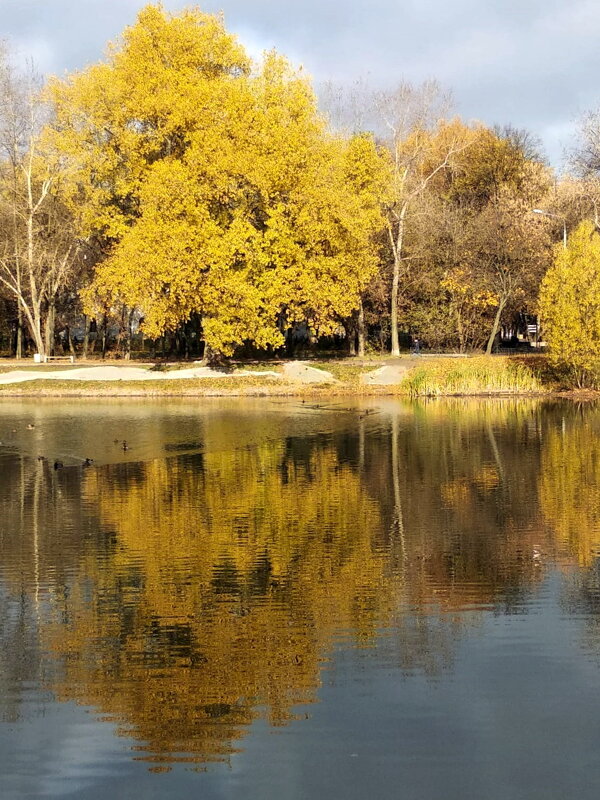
(267, 598)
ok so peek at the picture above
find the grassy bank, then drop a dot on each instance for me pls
(417, 377)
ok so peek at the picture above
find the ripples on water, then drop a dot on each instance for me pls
(274, 599)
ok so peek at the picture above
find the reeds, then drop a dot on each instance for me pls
(470, 376)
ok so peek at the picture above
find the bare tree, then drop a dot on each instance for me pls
(410, 122)
(349, 107)
(421, 145)
(12, 143)
(585, 156)
(522, 141)
(38, 249)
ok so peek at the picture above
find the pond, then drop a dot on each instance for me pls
(273, 598)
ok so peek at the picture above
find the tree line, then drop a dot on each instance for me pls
(180, 192)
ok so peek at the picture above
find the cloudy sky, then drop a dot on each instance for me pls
(532, 63)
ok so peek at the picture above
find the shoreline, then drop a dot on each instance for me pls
(89, 392)
(406, 377)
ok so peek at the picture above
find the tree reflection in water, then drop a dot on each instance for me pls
(183, 597)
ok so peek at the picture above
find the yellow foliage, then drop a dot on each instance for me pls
(459, 283)
(570, 304)
(217, 188)
(495, 164)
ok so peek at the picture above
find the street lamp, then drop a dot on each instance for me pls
(556, 216)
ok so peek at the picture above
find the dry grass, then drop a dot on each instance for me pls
(472, 376)
(165, 388)
(342, 371)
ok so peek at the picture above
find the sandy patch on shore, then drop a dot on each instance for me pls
(296, 371)
(385, 376)
(126, 374)
(301, 372)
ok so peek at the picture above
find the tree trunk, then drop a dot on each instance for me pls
(350, 328)
(495, 326)
(289, 344)
(396, 281)
(361, 328)
(104, 335)
(34, 324)
(199, 333)
(70, 341)
(49, 330)
(40, 345)
(19, 342)
(394, 309)
(129, 335)
(461, 337)
(86, 337)
(122, 334)
(34, 316)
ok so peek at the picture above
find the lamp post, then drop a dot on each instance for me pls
(556, 216)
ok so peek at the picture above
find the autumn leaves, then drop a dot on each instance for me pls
(179, 183)
(215, 189)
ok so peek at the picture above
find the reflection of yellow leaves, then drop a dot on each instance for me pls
(216, 583)
(569, 487)
(231, 576)
(455, 493)
(488, 478)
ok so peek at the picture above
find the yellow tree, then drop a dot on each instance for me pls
(570, 305)
(365, 176)
(117, 119)
(217, 190)
(499, 180)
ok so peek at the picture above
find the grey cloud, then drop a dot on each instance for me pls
(529, 62)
